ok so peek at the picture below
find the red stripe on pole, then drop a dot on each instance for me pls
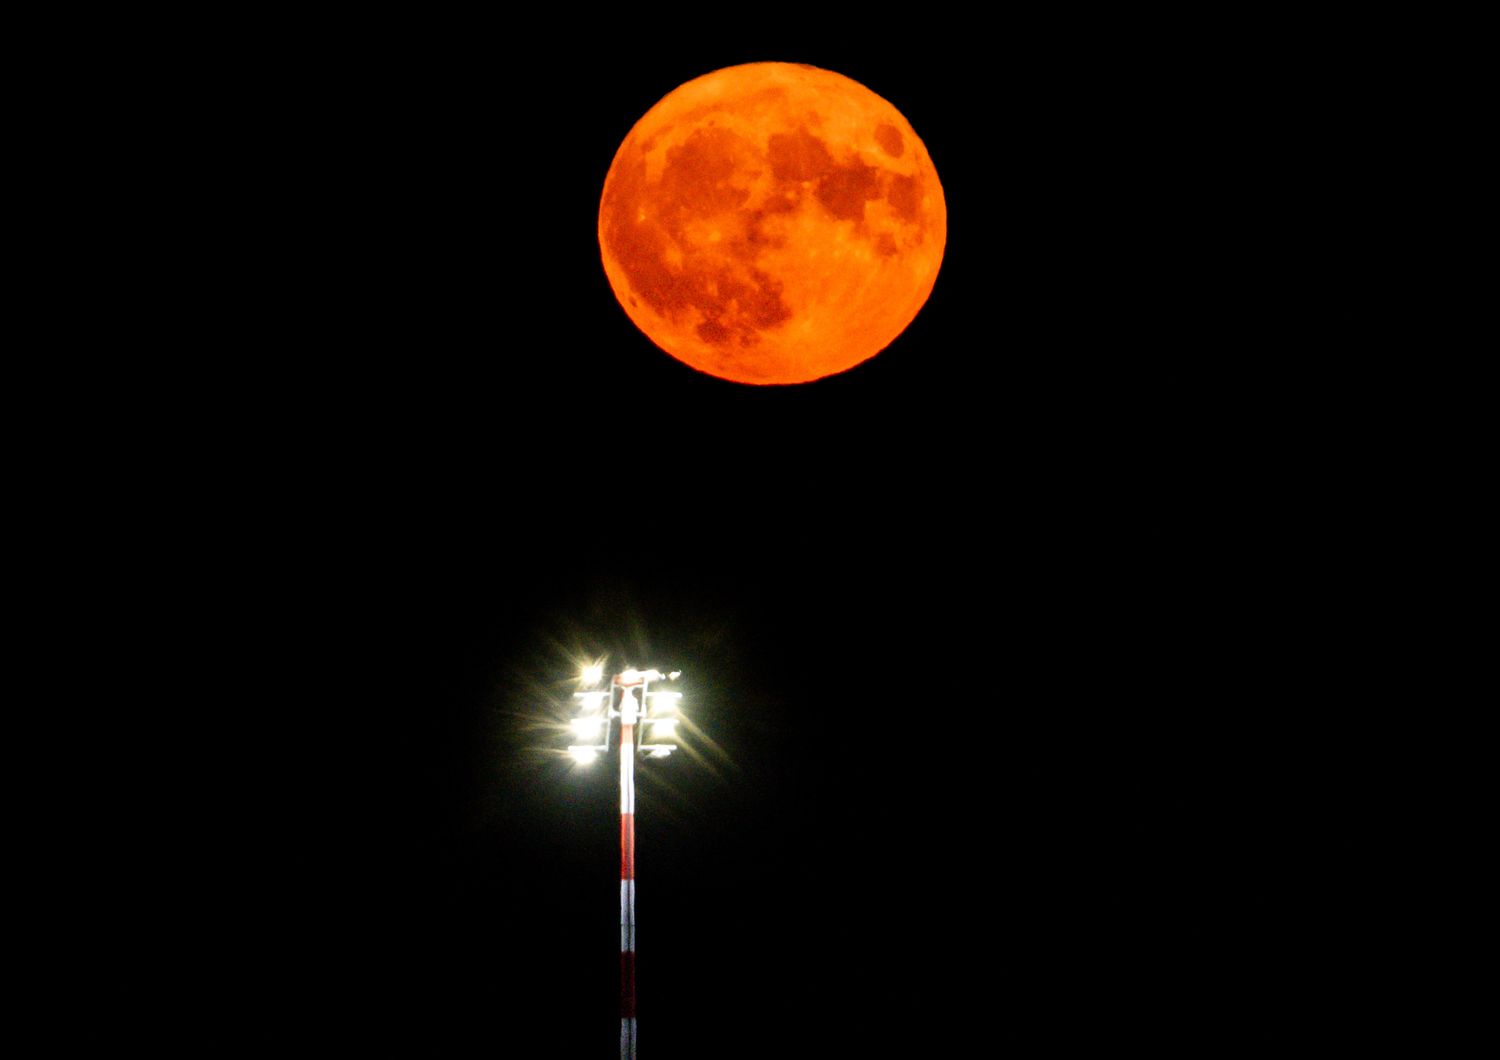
(627, 846)
(627, 986)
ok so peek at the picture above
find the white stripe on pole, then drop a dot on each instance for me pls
(627, 751)
(627, 916)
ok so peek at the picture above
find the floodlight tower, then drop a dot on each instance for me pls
(594, 722)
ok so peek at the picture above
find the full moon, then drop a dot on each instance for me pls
(772, 223)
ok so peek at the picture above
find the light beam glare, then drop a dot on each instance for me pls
(696, 742)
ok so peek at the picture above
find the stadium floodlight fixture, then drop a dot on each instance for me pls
(591, 701)
(628, 697)
(665, 702)
(588, 727)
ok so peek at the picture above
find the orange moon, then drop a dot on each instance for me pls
(772, 223)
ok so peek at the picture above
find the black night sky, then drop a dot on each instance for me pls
(1005, 638)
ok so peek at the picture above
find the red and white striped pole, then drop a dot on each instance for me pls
(628, 715)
